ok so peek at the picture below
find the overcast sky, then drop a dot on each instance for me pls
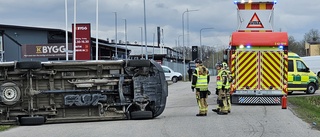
(293, 16)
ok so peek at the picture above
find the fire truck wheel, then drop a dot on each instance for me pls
(28, 65)
(311, 89)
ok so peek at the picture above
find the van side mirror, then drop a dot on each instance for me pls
(318, 74)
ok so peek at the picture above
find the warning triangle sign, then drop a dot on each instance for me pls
(255, 22)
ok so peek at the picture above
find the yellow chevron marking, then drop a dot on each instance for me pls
(245, 71)
(272, 72)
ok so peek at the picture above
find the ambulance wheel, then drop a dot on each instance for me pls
(311, 89)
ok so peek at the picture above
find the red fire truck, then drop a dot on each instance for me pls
(257, 56)
(259, 65)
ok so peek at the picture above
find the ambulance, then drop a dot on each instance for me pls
(300, 77)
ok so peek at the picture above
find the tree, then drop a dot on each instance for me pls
(296, 47)
(312, 36)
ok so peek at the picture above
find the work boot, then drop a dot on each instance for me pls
(200, 115)
(222, 113)
(216, 110)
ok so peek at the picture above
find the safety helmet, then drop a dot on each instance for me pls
(198, 61)
(219, 64)
(225, 65)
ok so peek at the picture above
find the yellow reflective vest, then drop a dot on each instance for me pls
(202, 81)
(221, 77)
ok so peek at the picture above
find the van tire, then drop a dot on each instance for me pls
(28, 65)
(311, 89)
(38, 120)
(175, 79)
(138, 63)
(141, 115)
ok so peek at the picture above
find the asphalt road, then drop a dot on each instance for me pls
(179, 120)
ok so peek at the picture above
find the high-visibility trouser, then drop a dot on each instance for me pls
(202, 103)
(223, 101)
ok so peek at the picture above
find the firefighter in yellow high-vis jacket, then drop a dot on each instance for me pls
(200, 80)
(223, 89)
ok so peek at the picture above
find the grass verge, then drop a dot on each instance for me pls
(4, 127)
(307, 108)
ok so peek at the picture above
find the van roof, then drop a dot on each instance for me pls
(293, 55)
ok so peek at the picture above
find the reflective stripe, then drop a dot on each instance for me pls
(221, 74)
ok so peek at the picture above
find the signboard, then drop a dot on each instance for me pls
(255, 16)
(83, 41)
(45, 50)
(255, 22)
(194, 52)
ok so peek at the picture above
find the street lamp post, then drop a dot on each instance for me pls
(116, 33)
(125, 36)
(201, 42)
(141, 42)
(66, 17)
(179, 48)
(74, 29)
(184, 54)
(179, 40)
(145, 28)
(97, 29)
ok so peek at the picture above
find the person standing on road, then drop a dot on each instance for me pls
(190, 73)
(200, 82)
(223, 89)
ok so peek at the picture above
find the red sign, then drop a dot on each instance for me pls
(255, 22)
(83, 41)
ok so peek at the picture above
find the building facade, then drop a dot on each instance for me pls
(18, 43)
(312, 48)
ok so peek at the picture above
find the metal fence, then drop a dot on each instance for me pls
(178, 67)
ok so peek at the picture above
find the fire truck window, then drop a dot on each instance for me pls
(290, 68)
(301, 67)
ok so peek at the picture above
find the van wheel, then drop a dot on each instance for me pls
(174, 79)
(38, 120)
(311, 89)
(141, 115)
(28, 65)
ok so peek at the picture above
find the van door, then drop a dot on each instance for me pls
(298, 77)
(167, 73)
(302, 74)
